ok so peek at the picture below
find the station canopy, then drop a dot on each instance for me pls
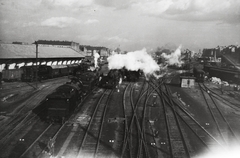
(10, 53)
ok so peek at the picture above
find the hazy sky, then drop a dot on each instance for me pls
(130, 24)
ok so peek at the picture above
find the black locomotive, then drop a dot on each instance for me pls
(59, 105)
(199, 74)
(111, 80)
(62, 103)
(88, 75)
(116, 76)
(131, 76)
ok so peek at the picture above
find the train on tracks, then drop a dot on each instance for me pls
(41, 72)
(199, 74)
(64, 100)
(61, 103)
(115, 76)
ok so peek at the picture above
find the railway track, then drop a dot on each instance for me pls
(139, 140)
(24, 111)
(180, 128)
(51, 131)
(133, 131)
(151, 123)
(6, 134)
(91, 136)
(23, 118)
(223, 128)
(221, 98)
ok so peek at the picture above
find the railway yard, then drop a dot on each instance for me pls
(147, 118)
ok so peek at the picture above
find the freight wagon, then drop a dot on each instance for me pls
(12, 74)
(59, 70)
(28, 73)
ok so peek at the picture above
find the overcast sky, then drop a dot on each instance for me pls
(130, 24)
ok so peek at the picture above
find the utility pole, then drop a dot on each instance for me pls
(36, 63)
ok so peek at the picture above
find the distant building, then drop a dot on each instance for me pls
(70, 44)
(227, 56)
(187, 81)
(90, 50)
(212, 54)
(19, 43)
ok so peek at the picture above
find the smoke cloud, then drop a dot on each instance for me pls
(174, 58)
(137, 60)
(96, 56)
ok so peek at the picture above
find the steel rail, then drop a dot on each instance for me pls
(189, 116)
(134, 108)
(143, 125)
(157, 88)
(217, 95)
(35, 141)
(195, 121)
(101, 126)
(126, 123)
(221, 114)
(212, 114)
(89, 125)
(171, 105)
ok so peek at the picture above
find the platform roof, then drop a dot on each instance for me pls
(17, 52)
(9, 51)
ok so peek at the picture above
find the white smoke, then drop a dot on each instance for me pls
(174, 58)
(96, 56)
(137, 60)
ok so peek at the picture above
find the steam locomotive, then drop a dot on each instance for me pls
(199, 74)
(116, 76)
(60, 105)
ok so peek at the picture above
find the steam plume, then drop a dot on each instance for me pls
(96, 56)
(173, 58)
(137, 60)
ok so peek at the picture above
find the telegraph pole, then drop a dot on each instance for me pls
(36, 63)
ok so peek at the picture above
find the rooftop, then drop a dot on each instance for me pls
(17, 51)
